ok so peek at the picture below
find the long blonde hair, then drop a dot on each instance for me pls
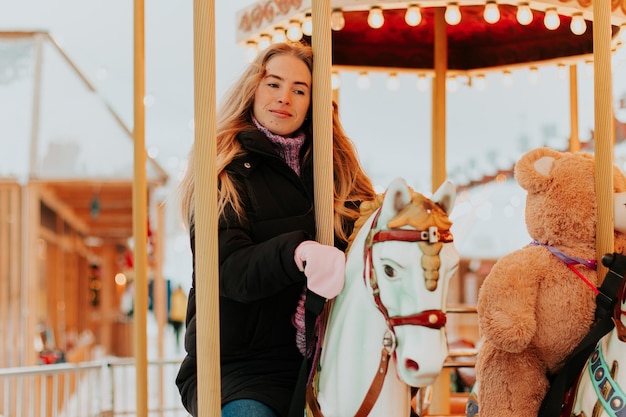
(350, 182)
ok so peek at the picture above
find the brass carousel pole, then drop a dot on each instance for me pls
(440, 403)
(205, 148)
(603, 113)
(140, 213)
(438, 144)
(322, 121)
(574, 139)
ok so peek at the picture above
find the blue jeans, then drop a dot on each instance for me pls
(247, 408)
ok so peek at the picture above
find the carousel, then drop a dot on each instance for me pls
(441, 44)
(437, 42)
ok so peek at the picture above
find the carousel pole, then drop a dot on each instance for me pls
(140, 216)
(322, 121)
(603, 113)
(574, 139)
(438, 144)
(440, 402)
(205, 148)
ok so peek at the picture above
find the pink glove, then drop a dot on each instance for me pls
(324, 267)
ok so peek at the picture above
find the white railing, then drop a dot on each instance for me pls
(103, 388)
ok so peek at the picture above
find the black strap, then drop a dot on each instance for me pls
(562, 382)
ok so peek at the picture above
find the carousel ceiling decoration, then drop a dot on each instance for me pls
(482, 34)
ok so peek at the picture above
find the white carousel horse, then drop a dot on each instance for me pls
(386, 328)
(602, 384)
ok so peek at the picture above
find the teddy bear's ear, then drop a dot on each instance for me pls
(532, 171)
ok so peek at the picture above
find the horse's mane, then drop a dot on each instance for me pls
(420, 214)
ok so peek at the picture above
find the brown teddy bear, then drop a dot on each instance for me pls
(538, 302)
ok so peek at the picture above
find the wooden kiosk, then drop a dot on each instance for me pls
(66, 183)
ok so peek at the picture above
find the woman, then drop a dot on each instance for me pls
(267, 251)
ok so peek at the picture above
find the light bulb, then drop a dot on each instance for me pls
(375, 18)
(578, 26)
(265, 41)
(451, 84)
(393, 84)
(453, 14)
(294, 31)
(413, 15)
(480, 82)
(251, 51)
(337, 21)
(589, 67)
(561, 71)
(533, 76)
(279, 35)
(307, 25)
(551, 19)
(422, 82)
(491, 14)
(363, 82)
(524, 14)
(335, 81)
(507, 79)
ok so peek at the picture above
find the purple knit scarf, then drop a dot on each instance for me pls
(287, 148)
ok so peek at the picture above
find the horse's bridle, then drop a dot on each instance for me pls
(434, 319)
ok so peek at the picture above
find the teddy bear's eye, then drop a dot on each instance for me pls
(390, 271)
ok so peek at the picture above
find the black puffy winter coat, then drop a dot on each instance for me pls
(260, 285)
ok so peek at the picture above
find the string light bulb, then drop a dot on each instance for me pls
(307, 25)
(265, 41)
(251, 51)
(294, 31)
(413, 15)
(533, 76)
(363, 81)
(393, 84)
(422, 82)
(453, 14)
(578, 26)
(561, 71)
(452, 84)
(524, 14)
(480, 82)
(337, 20)
(491, 14)
(375, 18)
(551, 19)
(279, 35)
(507, 78)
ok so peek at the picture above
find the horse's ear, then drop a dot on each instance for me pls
(445, 196)
(397, 197)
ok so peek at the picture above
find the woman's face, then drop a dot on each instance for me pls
(283, 97)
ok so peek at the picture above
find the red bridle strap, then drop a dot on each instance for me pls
(432, 235)
(434, 319)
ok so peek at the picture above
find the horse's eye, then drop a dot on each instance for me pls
(390, 272)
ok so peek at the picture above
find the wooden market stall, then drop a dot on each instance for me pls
(66, 212)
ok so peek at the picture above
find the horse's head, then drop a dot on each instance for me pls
(410, 258)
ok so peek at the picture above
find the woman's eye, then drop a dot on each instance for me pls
(390, 271)
(299, 92)
(273, 85)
